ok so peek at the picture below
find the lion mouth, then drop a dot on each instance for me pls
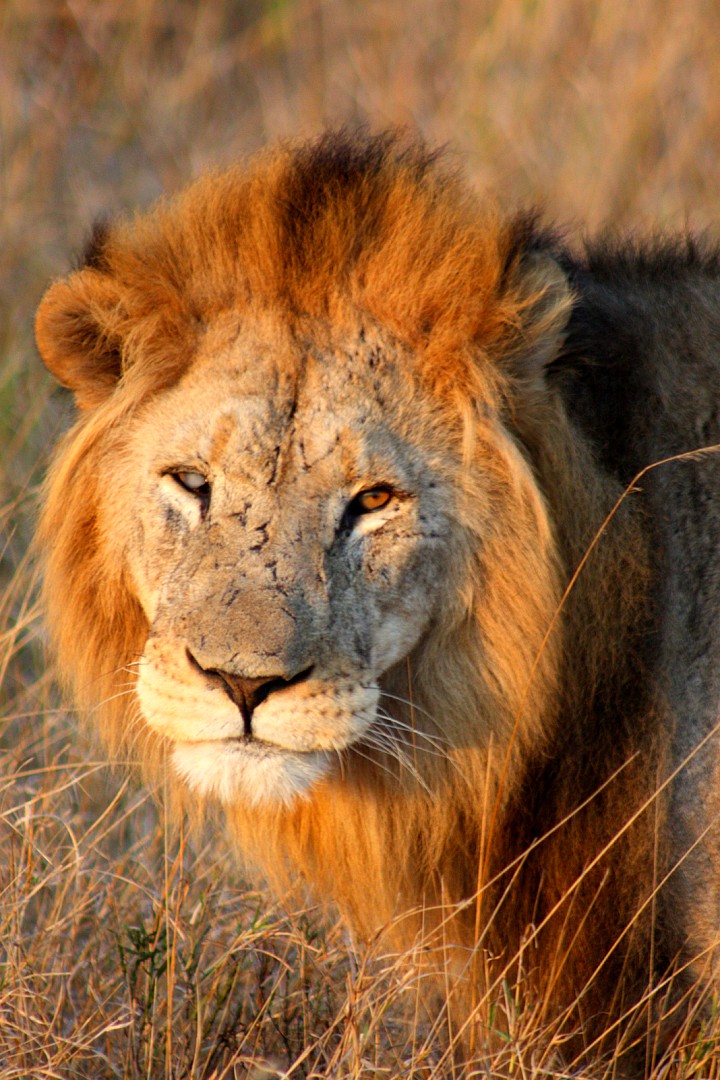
(248, 742)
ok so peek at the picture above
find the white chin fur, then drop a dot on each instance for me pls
(255, 774)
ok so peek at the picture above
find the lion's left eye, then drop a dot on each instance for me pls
(194, 482)
(365, 502)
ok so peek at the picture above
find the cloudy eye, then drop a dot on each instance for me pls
(366, 502)
(194, 482)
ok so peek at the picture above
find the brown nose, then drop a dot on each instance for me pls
(247, 693)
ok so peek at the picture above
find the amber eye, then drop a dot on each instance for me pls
(365, 502)
(194, 482)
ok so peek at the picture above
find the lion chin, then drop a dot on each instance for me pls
(251, 773)
(349, 523)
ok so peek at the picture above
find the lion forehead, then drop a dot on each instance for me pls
(253, 401)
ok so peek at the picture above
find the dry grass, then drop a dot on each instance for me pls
(125, 952)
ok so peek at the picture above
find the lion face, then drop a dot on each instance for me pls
(290, 546)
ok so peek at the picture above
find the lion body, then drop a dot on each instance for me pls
(346, 438)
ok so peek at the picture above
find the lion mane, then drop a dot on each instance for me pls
(534, 780)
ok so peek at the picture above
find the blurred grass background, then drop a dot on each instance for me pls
(124, 953)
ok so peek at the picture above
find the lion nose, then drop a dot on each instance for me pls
(248, 693)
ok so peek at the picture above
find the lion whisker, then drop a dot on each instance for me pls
(413, 705)
(401, 761)
(374, 739)
(126, 692)
(438, 744)
(391, 726)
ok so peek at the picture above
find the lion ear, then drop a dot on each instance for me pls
(545, 301)
(77, 329)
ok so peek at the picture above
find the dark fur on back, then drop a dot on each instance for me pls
(639, 378)
(636, 299)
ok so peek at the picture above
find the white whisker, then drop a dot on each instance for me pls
(385, 744)
(436, 747)
(413, 705)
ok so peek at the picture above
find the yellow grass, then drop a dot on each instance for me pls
(126, 951)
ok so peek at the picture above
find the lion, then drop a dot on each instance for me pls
(347, 539)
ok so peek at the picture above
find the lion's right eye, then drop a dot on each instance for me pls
(194, 482)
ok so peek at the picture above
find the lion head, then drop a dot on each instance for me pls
(270, 511)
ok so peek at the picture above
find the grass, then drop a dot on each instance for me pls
(128, 950)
